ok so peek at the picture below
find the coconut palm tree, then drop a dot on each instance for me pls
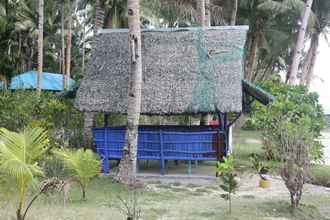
(233, 13)
(266, 18)
(82, 164)
(127, 167)
(298, 50)
(321, 9)
(68, 46)
(99, 17)
(201, 12)
(19, 156)
(40, 43)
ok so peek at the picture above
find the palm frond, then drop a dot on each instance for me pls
(19, 154)
(84, 164)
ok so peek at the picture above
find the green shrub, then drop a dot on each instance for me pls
(293, 104)
(229, 183)
(20, 109)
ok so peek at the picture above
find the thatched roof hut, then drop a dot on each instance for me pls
(189, 70)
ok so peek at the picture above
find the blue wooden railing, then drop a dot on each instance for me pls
(162, 143)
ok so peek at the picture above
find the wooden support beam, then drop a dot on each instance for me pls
(106, 120)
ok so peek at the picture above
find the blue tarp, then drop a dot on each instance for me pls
(50, 81)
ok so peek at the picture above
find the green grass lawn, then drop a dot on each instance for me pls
(171, 201)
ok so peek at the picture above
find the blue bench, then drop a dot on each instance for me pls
(163, 143)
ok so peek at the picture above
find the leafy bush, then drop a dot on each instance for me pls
(294, 142)
(82, 164)
(293, 104)
(20, 109)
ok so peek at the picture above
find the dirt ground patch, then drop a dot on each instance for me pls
(248, 185)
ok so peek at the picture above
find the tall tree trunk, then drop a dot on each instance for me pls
(99, 19)
(63, 43)
(207, 13)
(127, 168)
(309, 65)
(201, 12)
(40, 44)
(30, 60)
(60, 61)
(83, 45)
(68, 49)
(291, 77)
(233, 12)
(90, 118)
(253, 42)
(202, 8)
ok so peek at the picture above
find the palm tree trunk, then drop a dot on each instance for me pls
(253, 46)
(40, 44)
(83, 46)
(127, 167)
(201, 12)
(308, 68)
(233, 12)
(207, 13)
(203, 7)
(99, 20)
(291, 77)
(68, 49)
(63, 43)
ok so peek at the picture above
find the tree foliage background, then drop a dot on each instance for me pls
(274, 25)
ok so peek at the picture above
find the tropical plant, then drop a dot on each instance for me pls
(19, 156)
(256, 162)
(129, 206)
(229, 183)
(259, 166)
(82, 164)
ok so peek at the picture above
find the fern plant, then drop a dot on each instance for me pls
(19, 155)
(82, 164)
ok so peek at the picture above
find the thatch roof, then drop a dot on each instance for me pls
(184, 71)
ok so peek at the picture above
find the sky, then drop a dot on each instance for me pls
(321, 81)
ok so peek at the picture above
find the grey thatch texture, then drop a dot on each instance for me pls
(184, 71)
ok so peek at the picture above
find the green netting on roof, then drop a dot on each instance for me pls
(205, 93)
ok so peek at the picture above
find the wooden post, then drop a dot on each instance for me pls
(162, 161)
(106, 120)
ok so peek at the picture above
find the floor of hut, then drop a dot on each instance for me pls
(198, 168)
